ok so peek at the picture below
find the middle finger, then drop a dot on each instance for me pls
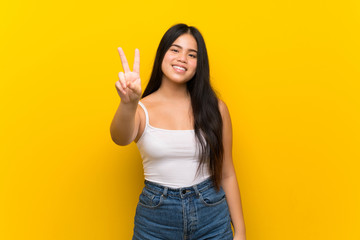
(124, 61)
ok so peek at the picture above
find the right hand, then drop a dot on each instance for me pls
(129, 84)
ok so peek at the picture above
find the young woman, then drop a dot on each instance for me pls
(184, 134)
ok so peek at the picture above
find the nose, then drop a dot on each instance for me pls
(182, 57)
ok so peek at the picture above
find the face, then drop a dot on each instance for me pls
(179, 63)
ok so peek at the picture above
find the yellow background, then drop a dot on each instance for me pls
(289, 72)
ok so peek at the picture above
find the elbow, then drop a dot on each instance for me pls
(118, 140)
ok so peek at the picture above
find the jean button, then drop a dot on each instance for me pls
(183, 191)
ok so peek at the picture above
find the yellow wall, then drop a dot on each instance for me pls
(288, 70)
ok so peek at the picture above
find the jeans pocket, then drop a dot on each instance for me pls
(150, 199)
(211, 197)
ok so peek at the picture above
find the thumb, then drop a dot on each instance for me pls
(135, 87)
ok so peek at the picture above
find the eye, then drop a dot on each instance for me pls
(192, 55)
(174, 50)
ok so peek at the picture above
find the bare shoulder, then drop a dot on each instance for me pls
(146, 101)
(149, 100)
(225, 114)
(223, 109)
(141, 117)
(227, 126)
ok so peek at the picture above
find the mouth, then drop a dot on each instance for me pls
(179, 68)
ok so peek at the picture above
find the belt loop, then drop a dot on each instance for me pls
(165, 191)
(196, 190)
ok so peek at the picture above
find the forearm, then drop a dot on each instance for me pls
(231, 188)
(122, 127)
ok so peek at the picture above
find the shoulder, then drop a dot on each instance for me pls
(150, 100)
(224, 111)
(225, 115)
(147, 103)
(226, 121)
(140, 118)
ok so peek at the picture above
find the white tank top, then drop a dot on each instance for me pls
(170, 157)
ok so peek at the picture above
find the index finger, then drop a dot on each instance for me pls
(137, 61)
(124, 62)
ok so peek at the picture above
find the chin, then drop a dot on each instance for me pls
(177, 79)
(180, 81)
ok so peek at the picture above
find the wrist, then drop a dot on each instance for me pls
(131, 104)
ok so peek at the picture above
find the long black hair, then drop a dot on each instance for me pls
(207, 118)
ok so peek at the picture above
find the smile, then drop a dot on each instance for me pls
(178, 68)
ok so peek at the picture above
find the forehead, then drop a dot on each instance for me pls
(186, 41)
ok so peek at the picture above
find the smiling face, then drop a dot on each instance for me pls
(180, 60)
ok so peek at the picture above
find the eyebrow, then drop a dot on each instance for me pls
(191, 50)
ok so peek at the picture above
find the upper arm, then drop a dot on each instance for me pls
(228, 167)
(139, 123)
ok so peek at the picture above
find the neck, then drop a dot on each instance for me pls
(173, 91)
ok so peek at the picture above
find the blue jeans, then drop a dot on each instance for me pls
(198, 212)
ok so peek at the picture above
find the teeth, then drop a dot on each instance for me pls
(180, 68)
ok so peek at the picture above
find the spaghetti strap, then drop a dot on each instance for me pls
(146, 112)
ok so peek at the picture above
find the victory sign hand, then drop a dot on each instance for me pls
(129, 84)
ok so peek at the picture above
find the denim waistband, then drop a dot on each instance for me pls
(180, 192)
